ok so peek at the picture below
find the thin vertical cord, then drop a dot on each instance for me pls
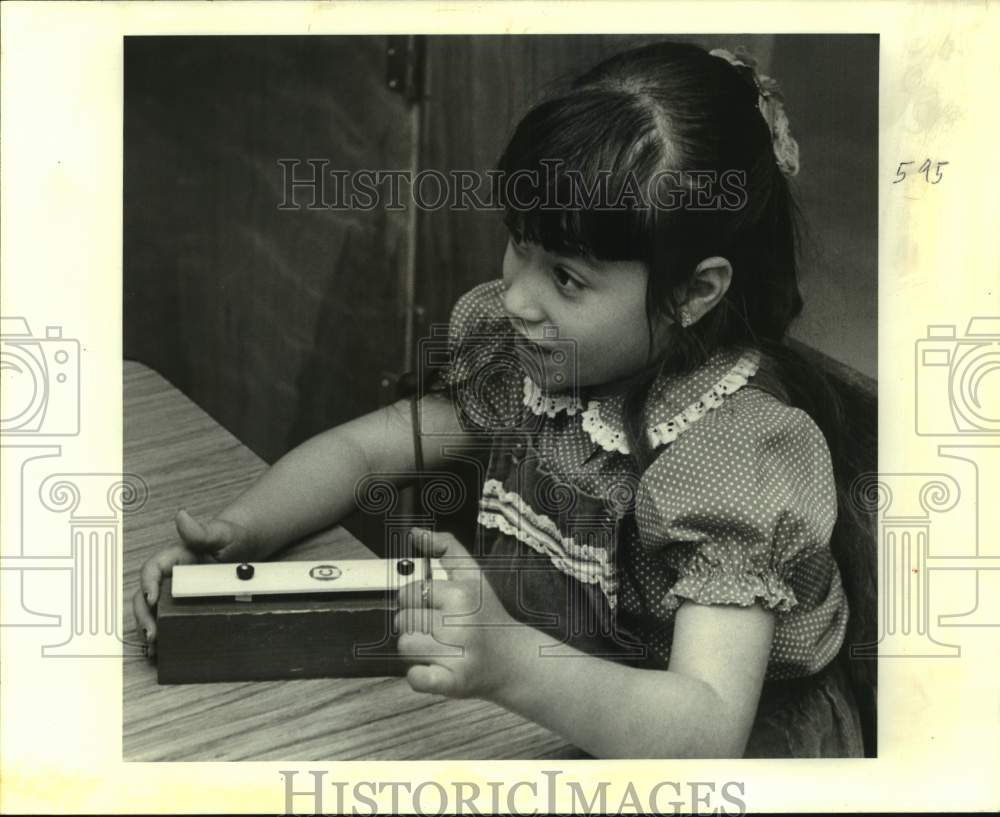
(412, 224)
(418, 453)
(418, 473)
(412, 503)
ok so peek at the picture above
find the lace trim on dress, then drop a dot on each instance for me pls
(506, 511)
(605, 435)
(541, 403)
(611, 438)
(735, 379)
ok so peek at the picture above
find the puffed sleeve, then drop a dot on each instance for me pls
(741, 507)
(478, 367)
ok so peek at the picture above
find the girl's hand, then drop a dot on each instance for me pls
(461, 640)
(219, 540)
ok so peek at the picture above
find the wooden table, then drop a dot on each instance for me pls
(188, 460)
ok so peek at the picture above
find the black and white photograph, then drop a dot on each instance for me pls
(418, 407)
(571, 338)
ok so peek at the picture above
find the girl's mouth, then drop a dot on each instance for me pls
(526, 345)
(524, 342)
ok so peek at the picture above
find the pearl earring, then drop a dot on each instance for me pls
(685, 316)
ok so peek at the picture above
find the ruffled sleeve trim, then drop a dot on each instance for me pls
(743, 589)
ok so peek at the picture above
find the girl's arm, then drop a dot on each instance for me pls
(702, 706)
(312, 486)
(308, 489)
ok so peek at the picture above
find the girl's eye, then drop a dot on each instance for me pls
(565, 281)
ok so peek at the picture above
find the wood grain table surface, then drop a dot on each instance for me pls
(189, 461)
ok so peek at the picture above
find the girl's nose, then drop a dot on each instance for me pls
(518, 302)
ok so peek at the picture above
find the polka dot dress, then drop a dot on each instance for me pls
(737, 507)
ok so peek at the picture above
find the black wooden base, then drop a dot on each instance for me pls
(272, 638)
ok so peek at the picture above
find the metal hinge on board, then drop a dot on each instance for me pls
(404, 66)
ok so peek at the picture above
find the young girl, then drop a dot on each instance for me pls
(652, 574)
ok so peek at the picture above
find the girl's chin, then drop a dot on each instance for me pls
(547, 376)
(553, 381)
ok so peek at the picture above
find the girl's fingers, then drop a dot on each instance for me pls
(212, 537)
(414, 621)
(238, 548)
(444, 546)
(440, 595)
(149, 579)
(161, 565)
(153, 571)
(190, 529)
(418, 645)
(429, 543)
(432, 679)
(418, 620)
(144, 620)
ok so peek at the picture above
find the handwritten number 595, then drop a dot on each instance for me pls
(925, 169)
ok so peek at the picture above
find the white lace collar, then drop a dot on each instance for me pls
(674, 404)
(541, 403)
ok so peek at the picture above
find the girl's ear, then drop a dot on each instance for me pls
(709, 284)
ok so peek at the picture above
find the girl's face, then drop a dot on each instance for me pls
(595, 309)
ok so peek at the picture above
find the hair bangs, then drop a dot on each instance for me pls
(574, 177)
